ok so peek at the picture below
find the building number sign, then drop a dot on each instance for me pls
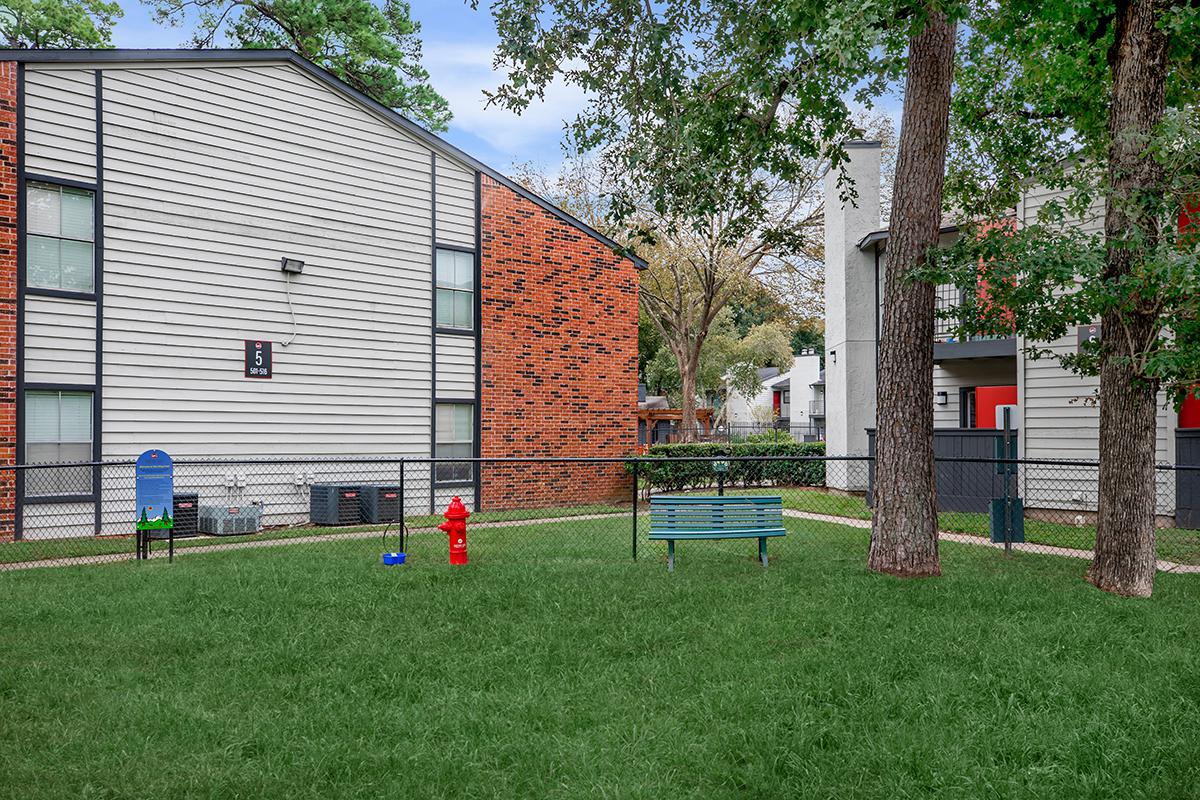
(258, 359)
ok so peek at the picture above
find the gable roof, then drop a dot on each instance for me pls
(430, 140)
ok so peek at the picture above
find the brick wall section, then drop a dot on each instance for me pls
(559, 342)
(8, 293)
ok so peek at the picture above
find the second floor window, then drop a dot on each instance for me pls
(59, 237)
(455, 290)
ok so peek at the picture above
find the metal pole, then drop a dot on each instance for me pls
(1008, 504)
(635, 508)
(402, 505)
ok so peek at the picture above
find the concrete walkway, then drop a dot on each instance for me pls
(218, 547)
(980, 541)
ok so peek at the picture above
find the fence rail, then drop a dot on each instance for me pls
(539, 506)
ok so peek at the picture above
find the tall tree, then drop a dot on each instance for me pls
(377, 50)
(698, 106)
(904, 535)
(700, 264)
(47, 24)
(1100, 103)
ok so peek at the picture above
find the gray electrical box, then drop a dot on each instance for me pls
(230, 520)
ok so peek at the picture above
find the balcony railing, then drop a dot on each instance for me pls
(816, 408)
(945, 330)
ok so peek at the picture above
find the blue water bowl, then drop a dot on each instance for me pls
(393, 558)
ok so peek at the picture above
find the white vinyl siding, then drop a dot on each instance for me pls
(455, 366)
(951, 376)
(60, 340)
(211, 175)
(455, 204)
(1060, 417)
(60, 122)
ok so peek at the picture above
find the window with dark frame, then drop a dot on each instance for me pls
(58, 430)
(966, 407)
(455, 289)
(59, 237)
(455, 439)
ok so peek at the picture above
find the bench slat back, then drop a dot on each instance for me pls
(695, 513)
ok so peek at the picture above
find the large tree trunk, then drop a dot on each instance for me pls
(904, 536)
(1125, 549)
(688, 367)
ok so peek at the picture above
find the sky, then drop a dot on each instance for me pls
(458, 45)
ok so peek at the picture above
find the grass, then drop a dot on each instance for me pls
(85, 546)
(1179, 545)
(553, 666)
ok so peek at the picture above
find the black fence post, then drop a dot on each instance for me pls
(635, 507)
(1008, 468)
(402, 507)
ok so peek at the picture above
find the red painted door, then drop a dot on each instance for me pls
(1189, 412)
(986, 400)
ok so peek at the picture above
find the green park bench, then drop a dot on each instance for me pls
(697, 517)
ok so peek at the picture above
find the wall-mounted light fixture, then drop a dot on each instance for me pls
(941, 398)
(292, 266)
(833, 356)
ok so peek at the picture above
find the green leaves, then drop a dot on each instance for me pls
(46, 24)
(700, 106)
(375, 50)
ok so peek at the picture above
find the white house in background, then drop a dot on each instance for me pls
(793, 400)
(1053, 410)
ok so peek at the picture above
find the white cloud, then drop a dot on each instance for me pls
(461, 72)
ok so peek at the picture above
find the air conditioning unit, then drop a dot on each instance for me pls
(230, 520)
(381, 502)
(335, 504)
(186, 515)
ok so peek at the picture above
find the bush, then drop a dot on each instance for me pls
(671, 475)
(771, 437)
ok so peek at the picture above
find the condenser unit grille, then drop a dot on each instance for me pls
(186, 515)
(381, 503)
(230, 520)
(335, 504)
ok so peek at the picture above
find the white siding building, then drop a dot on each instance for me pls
(158, 193)
(1055, 411)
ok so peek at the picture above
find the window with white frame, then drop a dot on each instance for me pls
(455, 289)
(455, 439)
(58, 430)
(59, 237)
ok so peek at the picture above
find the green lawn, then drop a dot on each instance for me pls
(1174, 544)
(553, 666)
(84, 546)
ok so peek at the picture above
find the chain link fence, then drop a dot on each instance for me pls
(547, 509)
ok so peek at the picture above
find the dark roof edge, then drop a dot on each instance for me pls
(430, 139)
(880, 236)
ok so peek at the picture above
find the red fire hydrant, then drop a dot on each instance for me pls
(456, 525)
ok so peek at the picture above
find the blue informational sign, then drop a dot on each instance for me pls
(154, 482)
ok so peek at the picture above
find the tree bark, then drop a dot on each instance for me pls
(904, 536)
(1124, 561)
(689, 365)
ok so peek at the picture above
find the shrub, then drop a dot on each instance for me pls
(770, 437)
(673, 475)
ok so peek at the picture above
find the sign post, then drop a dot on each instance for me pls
(154, 491)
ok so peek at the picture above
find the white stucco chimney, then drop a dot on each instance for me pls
(850, 310)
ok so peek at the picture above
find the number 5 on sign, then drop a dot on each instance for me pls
(258, 358)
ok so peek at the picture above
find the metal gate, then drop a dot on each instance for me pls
(1187, 481)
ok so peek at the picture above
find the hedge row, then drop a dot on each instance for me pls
(674, 476)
